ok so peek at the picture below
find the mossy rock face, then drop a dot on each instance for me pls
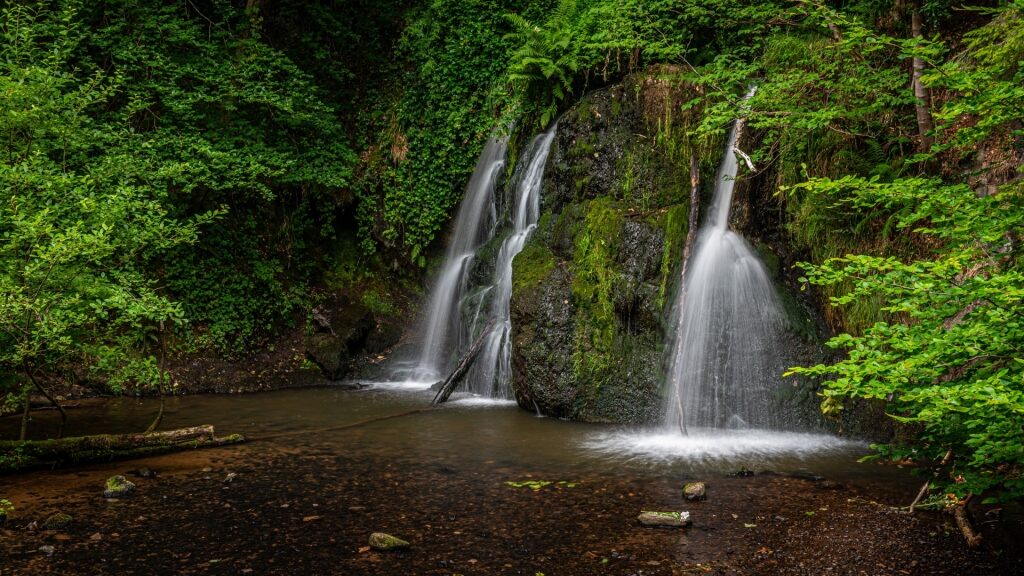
(118, 487)
(590, 288)
(58, 521)
(382, 541)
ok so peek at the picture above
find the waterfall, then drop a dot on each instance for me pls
(727, 323)
(492, 372)
(475, 224)
(457, 312)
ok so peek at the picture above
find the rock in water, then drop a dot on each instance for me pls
(382, 541)
(669, 519)
(118, 486)
(58, 521)
(145, 472)
(694, 491)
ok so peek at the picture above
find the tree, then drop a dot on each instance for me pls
(79, 221)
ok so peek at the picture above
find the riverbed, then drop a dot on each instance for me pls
(476, 486)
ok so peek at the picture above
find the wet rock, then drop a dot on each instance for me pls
(695, 491)
(144, 472)
(590, 288)
(57, 521)
(829, 485)
(48, 550)
(382, 541)
(230, 477)
(665, 519)
(742, 473)
(341, 334)
(118, 487)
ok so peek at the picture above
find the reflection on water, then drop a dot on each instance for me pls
(467, 432)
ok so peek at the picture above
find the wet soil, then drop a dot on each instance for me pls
(308, 508)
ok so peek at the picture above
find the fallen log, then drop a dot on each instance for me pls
(17, 456)
(460, 371)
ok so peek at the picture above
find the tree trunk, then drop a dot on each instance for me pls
(921, 92)
(42, 390)
(106, 447)
(24, 417)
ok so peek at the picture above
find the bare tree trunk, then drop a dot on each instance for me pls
(24, 417)
(42, 390)
(921, 92)
(963, 522)
(160, 386)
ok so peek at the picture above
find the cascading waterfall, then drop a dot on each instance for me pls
(443, 331)
(727, 323)
(492, 371)
(456, 311)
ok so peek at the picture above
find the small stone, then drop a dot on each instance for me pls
(96, 537)
(48, 550)
(310, 518)
(207, 469)
(231, 476)
(669, 519)
(382, 541)
(58, 521)
(117, 487)
(829, 485)
(694, 491)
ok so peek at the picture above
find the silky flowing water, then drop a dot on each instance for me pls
(459, 313)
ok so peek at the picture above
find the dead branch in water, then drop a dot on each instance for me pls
(460, 371)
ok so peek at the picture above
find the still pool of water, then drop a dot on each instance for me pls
(471, 431)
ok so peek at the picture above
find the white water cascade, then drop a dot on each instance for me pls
(492, 372)
(475, 224)
(457, 311)
(726, 328)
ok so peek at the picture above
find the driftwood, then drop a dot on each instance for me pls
(105, 447)
(972, 538)
(460, 371)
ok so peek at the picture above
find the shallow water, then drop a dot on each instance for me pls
(472, 431)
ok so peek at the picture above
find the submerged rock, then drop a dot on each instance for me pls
(666, 519)
(118, 486)
(382, 541)
(48, 550)
(57, 521)
(695, 491)
(144, 472)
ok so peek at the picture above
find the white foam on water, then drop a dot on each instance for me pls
(716, 445)
(409, 385)
(476, 401)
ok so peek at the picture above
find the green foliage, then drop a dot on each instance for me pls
(81, 221)
(954, 366)
(435, 127)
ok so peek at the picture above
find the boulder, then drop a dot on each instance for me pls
(664, 519)
(382, 541)
(118, 487)
(338, 338)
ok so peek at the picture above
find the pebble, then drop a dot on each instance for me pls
(382, 541)
(668, 519)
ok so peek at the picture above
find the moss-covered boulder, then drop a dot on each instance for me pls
(118, 487)
(592, 287)
(58, 521)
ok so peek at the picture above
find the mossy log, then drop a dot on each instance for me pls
(18, 456)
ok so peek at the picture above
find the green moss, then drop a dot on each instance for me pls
(594, 277)
(675, 223)
(531, 266)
